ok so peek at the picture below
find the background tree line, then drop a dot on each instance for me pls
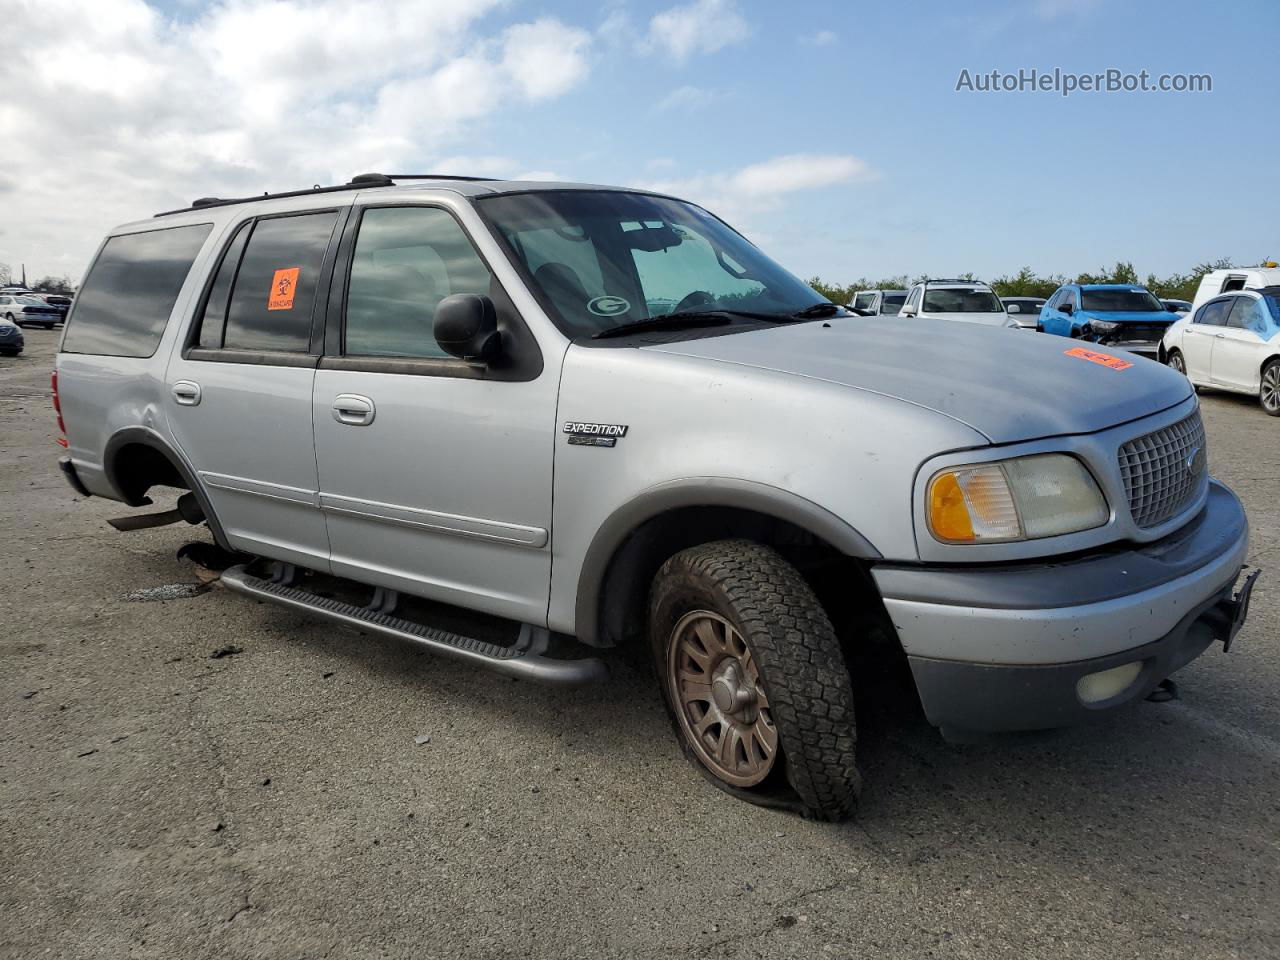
(1027, 283)
(48, 284)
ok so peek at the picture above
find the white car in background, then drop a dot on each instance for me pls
(1024, 311)
(1232, 342)
(876, 303)
(970, 301)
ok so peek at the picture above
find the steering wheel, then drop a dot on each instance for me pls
(699, 298)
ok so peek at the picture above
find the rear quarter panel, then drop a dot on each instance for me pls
(101, 395)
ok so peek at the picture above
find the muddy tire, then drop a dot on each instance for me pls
(753, 676)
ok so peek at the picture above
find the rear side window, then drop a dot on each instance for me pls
(274, 292)
(130, 291)
(214, 320)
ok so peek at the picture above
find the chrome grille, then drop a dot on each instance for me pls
(1163, 471)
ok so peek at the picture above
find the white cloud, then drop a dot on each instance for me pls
(823, 38)
(546, 58)
(688, 98)
(703, 26)
(132, 111)
(739, 195)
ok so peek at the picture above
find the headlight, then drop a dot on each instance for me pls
(1021, 499)
(1103, 327)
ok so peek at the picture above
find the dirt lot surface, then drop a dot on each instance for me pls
(158, 802)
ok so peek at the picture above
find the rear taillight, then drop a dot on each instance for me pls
(57, 408)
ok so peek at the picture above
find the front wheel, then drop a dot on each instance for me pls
(1269, 394)
(752, 674)
(1176, 361)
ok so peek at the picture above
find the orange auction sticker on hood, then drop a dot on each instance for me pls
(283, 286)
(1102, 359)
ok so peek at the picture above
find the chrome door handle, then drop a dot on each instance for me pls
(186, 393)
(353, 410)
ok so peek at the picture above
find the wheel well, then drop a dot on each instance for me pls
(1267, 362)
(137, 467)
(843, 583)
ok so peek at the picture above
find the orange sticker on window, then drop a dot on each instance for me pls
(283, 286)
(1102, 359)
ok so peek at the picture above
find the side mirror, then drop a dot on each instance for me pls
(1068, 309)
(466, 326)
(907, 311)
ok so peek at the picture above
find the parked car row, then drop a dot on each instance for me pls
(56, 306)
(1227, 338)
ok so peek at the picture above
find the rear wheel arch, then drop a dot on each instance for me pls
(137, 459)
(631, 545)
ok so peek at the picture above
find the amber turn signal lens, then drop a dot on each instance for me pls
(948, 513)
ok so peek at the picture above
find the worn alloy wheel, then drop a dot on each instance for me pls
(1269, 394)
(754, 678)
(720, 702)
(1177, 363)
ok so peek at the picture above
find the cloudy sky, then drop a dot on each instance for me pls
(831, 133)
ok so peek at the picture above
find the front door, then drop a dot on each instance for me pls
(1199, 337)
(240, 390)
(435, 475)
(1237, 355)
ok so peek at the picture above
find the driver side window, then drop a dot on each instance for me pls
(407, 259)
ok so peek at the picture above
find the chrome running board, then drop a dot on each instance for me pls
(524, 660)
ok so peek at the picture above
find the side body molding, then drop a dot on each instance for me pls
(150, 438)
(760, 498)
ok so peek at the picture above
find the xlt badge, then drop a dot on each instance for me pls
(594, 434)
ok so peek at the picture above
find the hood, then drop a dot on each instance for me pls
(987, 319)
(1144, 317)
(1006, 384)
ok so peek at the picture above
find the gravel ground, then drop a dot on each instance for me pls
(158, 802)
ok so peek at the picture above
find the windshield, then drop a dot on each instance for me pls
(944, 300)
(892, 302)
(35, 301)
(1134, 300)
(863, 300)
(600, 259)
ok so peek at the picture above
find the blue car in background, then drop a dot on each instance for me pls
(1117, 314)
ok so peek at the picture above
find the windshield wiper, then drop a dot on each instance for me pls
(686, 318)
(824, 309)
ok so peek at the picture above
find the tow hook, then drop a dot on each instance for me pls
(1229, 614)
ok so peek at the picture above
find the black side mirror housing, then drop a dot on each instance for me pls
(1068, 309)
(466, 327)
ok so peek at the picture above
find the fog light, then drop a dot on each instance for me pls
(1097, 687)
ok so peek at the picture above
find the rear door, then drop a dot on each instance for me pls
(1200, 335)
(239, 391)
(1236, 361)
(435, 475)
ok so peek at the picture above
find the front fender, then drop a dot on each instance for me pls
(703, 492)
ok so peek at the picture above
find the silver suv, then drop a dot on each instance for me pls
(595, 417)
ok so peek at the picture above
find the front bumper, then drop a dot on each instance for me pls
(1001, 648)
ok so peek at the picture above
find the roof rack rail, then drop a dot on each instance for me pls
(954, 280)
(360, 181)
